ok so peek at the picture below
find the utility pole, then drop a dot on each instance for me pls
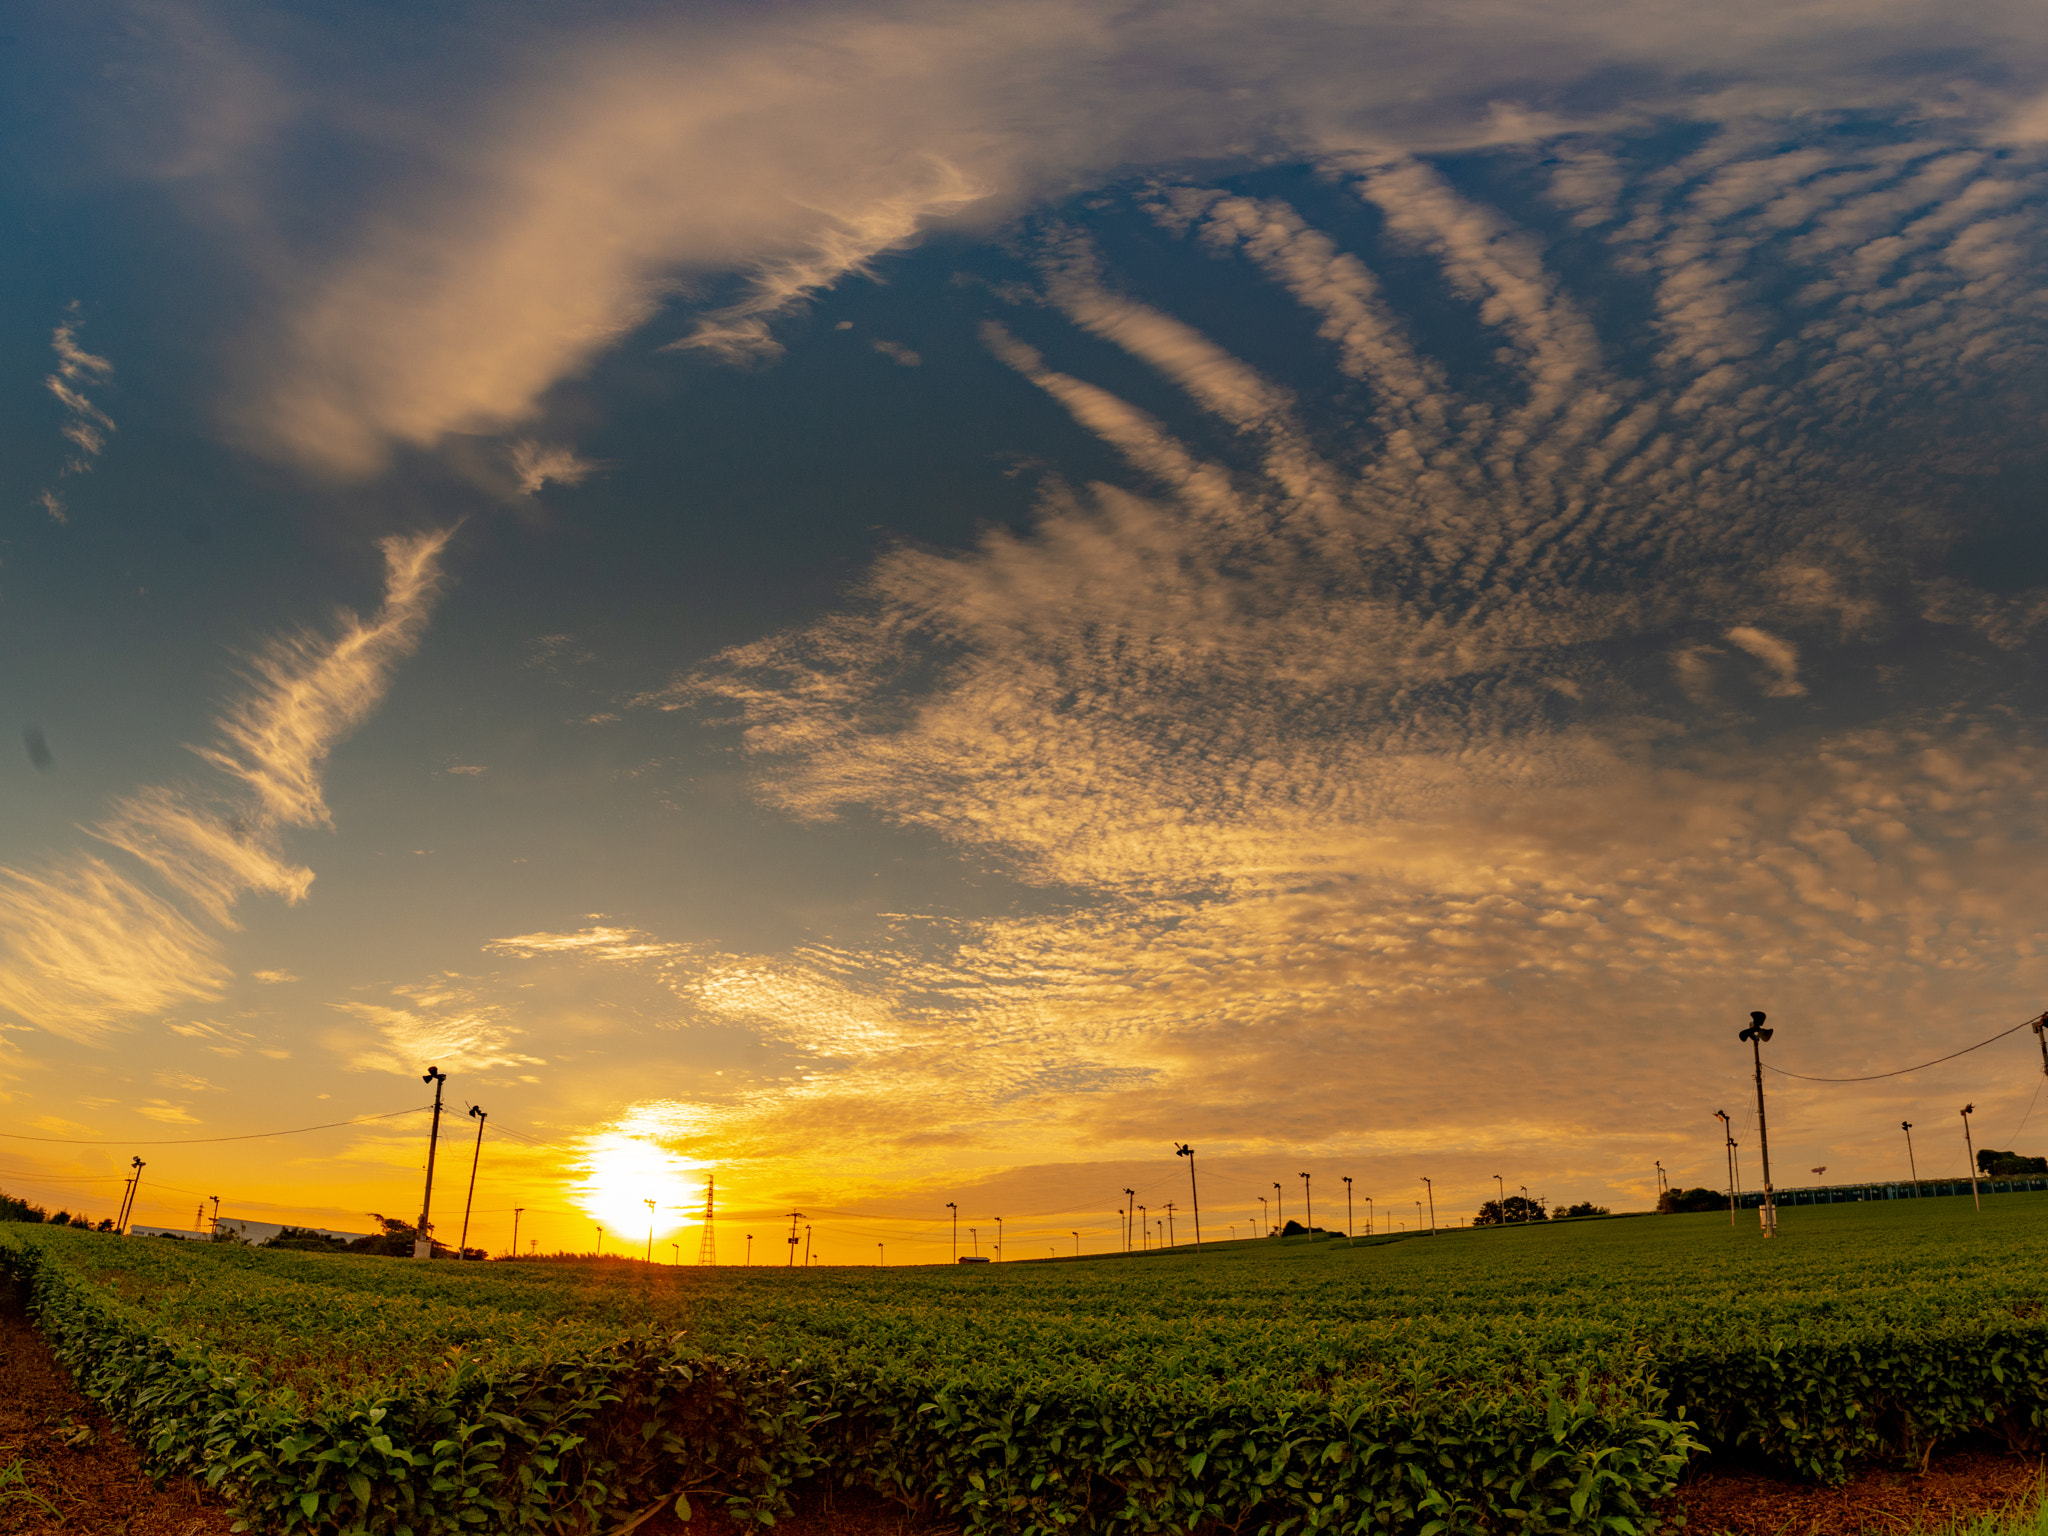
(1500, 1185)
(216, 1211)
(1728, 1155)
(1130, 1197)
(1347, 1207)
(1309, 1205)
(1663, 1181)
(650, 1228)
(1265, 1217)
(423, 1236)
(1368, 1216)
(1077, 1245)
(1189, 1153)
(476, 1157)
(1969, 1147)
(807, 1245)
(1169, 1224)
(1756, 1035)
(1911, 1166)
(121, 1214)
(600, 1240)
(955, 1209)
(750, 1250)
(999, 1239)
(1430, 1190)
(516, 1212)
(134, 1189)
(974, 1240)
(794, 1218)
(1279, 1211)
(878, 1255)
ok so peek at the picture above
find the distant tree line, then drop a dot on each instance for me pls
(12, 1209)
(2008, 1165)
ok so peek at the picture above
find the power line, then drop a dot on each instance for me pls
(1951, 1056)
(195, 1141)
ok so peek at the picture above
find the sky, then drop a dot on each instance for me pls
(908, 607)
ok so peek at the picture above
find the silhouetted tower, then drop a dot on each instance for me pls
(707, 1245)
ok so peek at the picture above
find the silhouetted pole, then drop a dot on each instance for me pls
(1970, 1148)
(423, 1237)
(1170, 1240)
(1347, 1207)
(216, 1212)
(1308, 1205)
(1189, 1153)
(650, 1229)
(1756, 1035)
(1368, 1216)
(134, 1189)
(1279, 1210)
(1130, 1204)
(1430, 1190)
(1500, 1184)
(1144, 1228)
(1728, 1155)
(1077, 1245)
(999, 1239)
(955, 1209)
(794, 1218)
(462, 1243)
(1911, 1166)
(517, 1212)
(807, 1245)
(1265, 1217)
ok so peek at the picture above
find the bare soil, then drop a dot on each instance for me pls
(1961, 1485)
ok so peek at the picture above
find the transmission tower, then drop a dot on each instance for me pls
(707, 1245)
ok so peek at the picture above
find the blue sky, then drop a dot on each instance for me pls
(908, 604)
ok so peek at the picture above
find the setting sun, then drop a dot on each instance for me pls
(621, 1173)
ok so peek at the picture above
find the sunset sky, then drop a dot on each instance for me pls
(908, 603)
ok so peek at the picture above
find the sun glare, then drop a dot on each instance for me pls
(621, 1173)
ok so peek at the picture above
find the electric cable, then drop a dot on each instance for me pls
(198, 1141)
(1902, 1071)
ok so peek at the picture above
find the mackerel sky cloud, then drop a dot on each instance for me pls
(1353, 586)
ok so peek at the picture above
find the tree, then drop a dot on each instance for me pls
(1583, 1208)
(1516, 1211)
(395, 1240)
(2008, 1165)
(12, 1209)
(1695, 1199)
(306, 1240)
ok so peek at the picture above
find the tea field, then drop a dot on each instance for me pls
(1539, 1379)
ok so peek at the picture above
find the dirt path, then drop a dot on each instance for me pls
(64, 1467)
(1960, 1485)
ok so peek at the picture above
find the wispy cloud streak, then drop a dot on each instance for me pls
(86, 943)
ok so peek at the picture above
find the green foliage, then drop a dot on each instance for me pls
(2008, 1165)
(1675, 1201)
(1539, 1378)
(305, 1240)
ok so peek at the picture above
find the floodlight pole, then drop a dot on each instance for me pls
(1968, 1110)
(1188, 1152)
(1077, 1244)
(1265, 1216)
(1430, 1190)
(1756, 1035)
(1501, 1184)
(423, 1235)
(1144, 1227)
(462, 1243)
(999, 1239)
(1368, 1216)
(1130, 1205)
(954, 1207)
(1911, 1166)
(1309, 1207)
(134, 1189)
(1279, 1210)
(650, 1228)
(1347, 1207)
(1728, 1156)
